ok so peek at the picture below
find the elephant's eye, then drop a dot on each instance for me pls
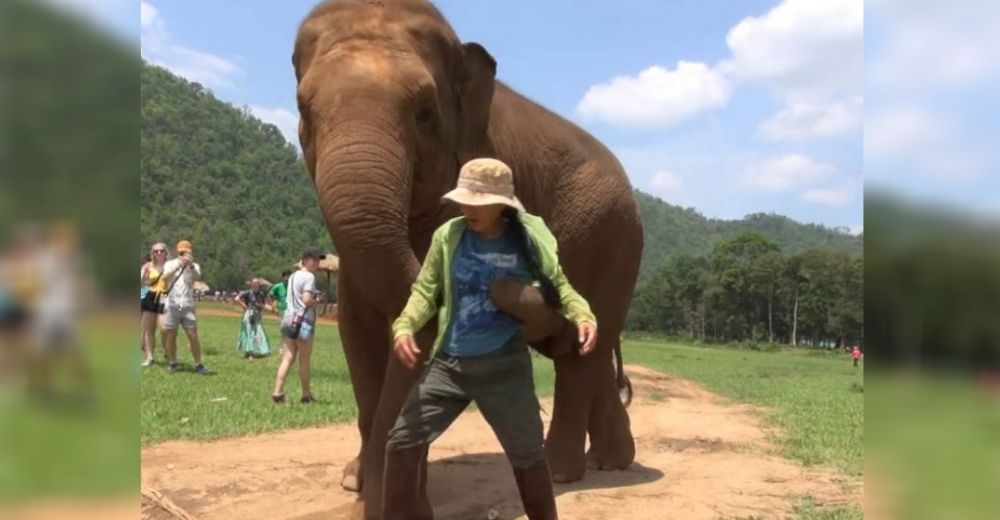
(425, 118)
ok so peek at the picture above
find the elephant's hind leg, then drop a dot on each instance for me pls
(611, 443)
(567, 435)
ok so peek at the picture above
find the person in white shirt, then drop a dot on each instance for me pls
(298, 326)
(180, 274)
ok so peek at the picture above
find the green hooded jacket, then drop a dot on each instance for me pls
(435, 276)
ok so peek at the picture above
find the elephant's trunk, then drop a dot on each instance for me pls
(363, 181)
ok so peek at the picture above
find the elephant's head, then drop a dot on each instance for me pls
(391, 102)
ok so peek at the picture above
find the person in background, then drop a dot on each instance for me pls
(253, 340)
(856, 355)
(278, 295)
(180, 274)
(54, 321)
(298, 325)
(152, 281)
(20, 286)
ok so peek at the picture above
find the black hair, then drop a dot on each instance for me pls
(530, 253)
(286, 273)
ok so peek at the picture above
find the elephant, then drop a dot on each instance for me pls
(391, 104)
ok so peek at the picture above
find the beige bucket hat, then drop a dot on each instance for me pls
(485, 181)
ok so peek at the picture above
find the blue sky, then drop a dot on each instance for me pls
(933, 120)
(729, 107)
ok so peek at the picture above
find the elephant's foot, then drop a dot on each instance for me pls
(351, 479)
(615, 458)
(612, 449)
(565, 466)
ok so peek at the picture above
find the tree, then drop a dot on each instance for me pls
(767, 271)
(793, 280)
(733, 261)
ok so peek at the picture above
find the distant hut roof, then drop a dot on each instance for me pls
(331, 263)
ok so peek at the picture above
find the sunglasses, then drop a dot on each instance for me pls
(159, 250)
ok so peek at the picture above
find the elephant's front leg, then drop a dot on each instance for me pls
(365, 337)
(398, 381)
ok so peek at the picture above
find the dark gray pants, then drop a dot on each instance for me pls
(503, 388)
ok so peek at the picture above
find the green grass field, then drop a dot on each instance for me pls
(816, 398)
(73, 444)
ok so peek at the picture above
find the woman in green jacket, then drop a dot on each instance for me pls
(479, 354)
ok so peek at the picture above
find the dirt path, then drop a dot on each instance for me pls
(698, 457)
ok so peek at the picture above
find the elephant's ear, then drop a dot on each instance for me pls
(475, 87)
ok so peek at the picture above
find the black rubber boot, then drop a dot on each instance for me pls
(404, 489)
(535, 486)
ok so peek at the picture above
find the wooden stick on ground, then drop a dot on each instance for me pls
(166, 504)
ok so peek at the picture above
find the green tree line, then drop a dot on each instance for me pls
(670, 230)
(748, 290)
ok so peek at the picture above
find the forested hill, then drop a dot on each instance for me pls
(214, 174)
(231, 184)
(671, 231)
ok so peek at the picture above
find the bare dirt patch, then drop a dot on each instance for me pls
(698, 457)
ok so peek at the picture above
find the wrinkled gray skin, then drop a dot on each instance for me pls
(391, 104)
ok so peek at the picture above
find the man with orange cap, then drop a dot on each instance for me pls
(180, 275)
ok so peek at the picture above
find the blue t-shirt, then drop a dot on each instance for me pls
(477, 326)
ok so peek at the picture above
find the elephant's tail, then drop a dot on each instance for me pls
(622, 381)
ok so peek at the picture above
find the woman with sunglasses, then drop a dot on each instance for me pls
(151, 277)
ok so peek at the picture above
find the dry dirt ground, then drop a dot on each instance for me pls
(699, 456)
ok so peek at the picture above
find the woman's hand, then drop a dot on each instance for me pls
(588, 337)
(406, 351)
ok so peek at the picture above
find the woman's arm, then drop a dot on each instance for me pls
(308, 298)
(422, 304)
(574, 307)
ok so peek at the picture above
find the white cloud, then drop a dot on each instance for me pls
(930, 45)
(787, 172)
(158, 47)
(809, 53)
(918, 140)
(828, 197)
(147, 14)
(807, 121)
(202, 67)
(666, 183)
(657, 97)
(903, 130)
(857, 229)
(286, 120)
(804, 49)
